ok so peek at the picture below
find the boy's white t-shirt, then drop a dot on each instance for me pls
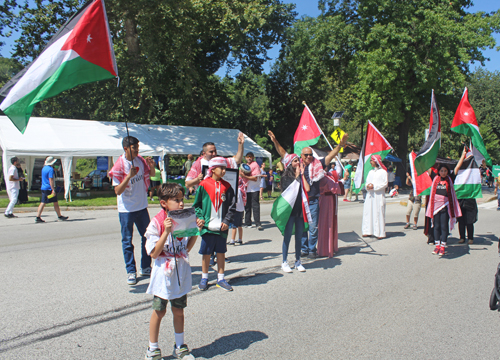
(134, 198)
(167, 287)
(254, 186)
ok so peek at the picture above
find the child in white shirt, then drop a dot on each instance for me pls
(171, 273)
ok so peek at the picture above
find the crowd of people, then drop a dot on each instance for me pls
(222, 211)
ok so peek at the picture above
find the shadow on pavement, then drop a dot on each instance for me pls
(253, 242)
(229, 343)
(351, 236)
(400, 223)
(324, 263)
(251, 257)
(255, 279)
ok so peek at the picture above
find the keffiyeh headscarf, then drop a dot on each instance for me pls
(215, 162)
(378, 160)
(288, 158)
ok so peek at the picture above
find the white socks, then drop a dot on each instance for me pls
(204, 275)
(220, 277)
(179, 340)
(153, 346)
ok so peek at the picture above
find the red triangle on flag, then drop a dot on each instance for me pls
(307, 129)
(90, 38)
(465, 113)
(375, 142)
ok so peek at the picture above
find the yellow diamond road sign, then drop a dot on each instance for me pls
(337, 135)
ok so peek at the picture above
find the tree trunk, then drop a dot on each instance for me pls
(132, 39)
(402, 147)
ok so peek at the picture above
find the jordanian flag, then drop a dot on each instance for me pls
(374, 144)
(465, 122)
(307, 133)
(468, 179)
(421, 183)
(283, 205)
(81, 52)
(427, 155)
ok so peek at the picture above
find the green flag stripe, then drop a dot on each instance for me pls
(68, 75)
(424, 162)
(468, 191)
(299, 145)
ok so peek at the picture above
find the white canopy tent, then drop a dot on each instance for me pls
(70, 139)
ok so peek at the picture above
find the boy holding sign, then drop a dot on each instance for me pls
(171, 273)
(215, 202)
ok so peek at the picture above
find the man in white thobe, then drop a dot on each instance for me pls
(374, 207)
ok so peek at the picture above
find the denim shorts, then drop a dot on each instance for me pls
(237, 220)
(160, 304)
(211, 243)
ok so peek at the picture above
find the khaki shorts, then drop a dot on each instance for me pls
(415, 207)
(160, 304)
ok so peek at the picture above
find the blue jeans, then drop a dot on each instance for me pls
(141, 220)
(309, 245)
(441, 226)
(298, 221)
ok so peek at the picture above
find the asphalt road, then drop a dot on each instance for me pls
(64, 295)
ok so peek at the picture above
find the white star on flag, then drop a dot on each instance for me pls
(89, 38)
(466, 113)
(371, 143)
(304, 127)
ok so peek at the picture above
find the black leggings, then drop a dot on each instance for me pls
(441, 226)
(462, 226)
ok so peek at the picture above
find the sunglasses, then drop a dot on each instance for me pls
(306, 155)
(212, 152)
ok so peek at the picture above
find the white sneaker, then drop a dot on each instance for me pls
(285, 267)
(299, 267)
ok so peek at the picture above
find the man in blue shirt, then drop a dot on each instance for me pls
(49, 194)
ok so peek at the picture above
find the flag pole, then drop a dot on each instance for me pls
(322, 133)
(125, 117)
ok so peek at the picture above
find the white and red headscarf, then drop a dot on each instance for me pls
(288, 158)
(378, 160)
(216, 162)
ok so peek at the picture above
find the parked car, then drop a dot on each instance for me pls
(88, 181)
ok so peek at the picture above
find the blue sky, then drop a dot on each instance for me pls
(310, 8)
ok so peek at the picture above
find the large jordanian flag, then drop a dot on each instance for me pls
(427, 155)
(81, 52)
(374, 144)
(468, 179)
(307, 133)
(465, 122)
(283, 205)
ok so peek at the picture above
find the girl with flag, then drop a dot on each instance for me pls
(294, 172)
(443, 208)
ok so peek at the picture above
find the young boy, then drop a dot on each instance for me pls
(171, 274)
(215, 203)
(238, 215)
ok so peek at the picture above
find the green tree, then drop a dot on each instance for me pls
(167, 53)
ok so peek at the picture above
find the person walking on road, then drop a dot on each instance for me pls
(313, 172)
(13, 186)
(253, 193)
(49, 194)
(294, 171)
(131, 174)
(443, 208)
(374, 206)
(414, 205)
(171, 278)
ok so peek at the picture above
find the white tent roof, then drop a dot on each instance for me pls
(76, 138)
(184, 140)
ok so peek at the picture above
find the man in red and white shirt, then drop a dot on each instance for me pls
(195, 176)
(253, 192)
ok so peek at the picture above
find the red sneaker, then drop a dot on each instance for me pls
(346, 200)
(436, 250)
(441, 251)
